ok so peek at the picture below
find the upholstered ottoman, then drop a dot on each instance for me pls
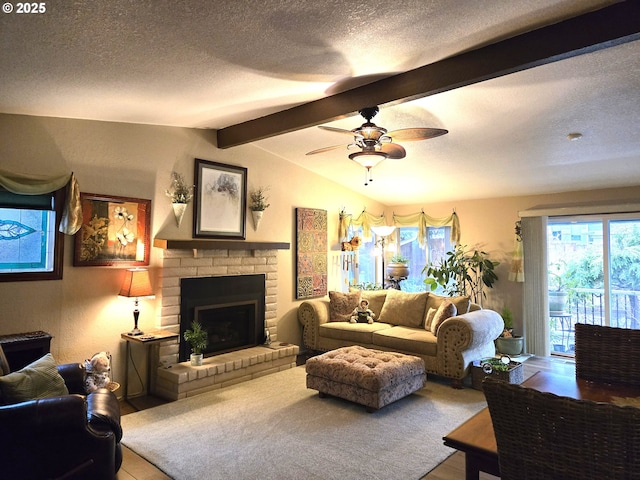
(372, 378)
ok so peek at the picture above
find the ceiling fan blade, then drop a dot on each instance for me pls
(409, 134)
(325, 149)
(393, 150)
(337, 130)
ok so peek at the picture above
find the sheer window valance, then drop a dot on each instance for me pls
(420, 220)
(365, 220)
(36, 185)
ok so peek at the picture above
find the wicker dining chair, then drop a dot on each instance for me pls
(607, 354)
(542, 436)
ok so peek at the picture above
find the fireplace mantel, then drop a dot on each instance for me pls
(196, 244)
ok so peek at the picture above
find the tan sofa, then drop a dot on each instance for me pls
(399, 326)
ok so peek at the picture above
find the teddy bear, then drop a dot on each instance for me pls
(362, 313)
(97, 370)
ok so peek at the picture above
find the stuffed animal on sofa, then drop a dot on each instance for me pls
(98, 369)
(362, 313)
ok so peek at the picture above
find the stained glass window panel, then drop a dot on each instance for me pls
(26, 240)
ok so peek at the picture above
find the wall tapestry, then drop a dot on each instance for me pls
(311, 253)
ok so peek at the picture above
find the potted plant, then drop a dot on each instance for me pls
(557, 288)
(507, 343)
(198, 339)
(462, 272)
(502, 368)
(180, 194)
(398, 266)
(258, 204)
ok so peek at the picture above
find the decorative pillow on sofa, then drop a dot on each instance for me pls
(431, 312)
(39, 379)
(462, 303)
(342, 304)
(376, 300)
(446, 310)
(404, 308)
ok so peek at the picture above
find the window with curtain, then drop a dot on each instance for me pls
(367, 272)
(31, 247)
(418, 236)
(593, 271)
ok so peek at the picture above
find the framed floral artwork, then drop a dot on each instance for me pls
(115, 231)
(220, 206)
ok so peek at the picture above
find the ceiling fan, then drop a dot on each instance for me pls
(376, 143)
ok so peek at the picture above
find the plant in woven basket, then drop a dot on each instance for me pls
(497, 364)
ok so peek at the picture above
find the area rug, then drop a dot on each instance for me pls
(274, 427)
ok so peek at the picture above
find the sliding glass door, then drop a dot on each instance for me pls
(593, 275)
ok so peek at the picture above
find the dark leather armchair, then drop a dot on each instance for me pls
(74, 436)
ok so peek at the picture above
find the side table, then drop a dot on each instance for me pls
(148, 340)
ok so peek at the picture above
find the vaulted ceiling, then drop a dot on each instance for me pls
(509, 80)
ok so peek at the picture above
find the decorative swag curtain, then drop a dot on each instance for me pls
(420, 220)
(71, 220)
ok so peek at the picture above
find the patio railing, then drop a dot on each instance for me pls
(587, 306)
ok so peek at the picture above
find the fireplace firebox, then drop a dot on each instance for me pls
(231, 310)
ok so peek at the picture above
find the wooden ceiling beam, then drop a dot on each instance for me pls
(590, 32)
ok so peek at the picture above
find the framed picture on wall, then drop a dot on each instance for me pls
(115, 231)
(220, 205)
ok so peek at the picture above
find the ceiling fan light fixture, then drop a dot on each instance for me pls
(377, 143)
(368, 160)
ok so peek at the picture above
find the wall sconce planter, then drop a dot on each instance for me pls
(178, 211)
(258, 205)
(257, 218)
(180, 194)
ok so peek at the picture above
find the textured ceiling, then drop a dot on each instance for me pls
(211, 64)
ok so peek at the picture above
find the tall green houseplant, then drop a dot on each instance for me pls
(462, 272)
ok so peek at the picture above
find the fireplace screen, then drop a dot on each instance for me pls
(231, 310)
(229, 326)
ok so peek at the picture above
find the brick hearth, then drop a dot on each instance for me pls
(183, 380)
(174, 380)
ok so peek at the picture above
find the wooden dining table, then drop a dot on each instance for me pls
(476, 437)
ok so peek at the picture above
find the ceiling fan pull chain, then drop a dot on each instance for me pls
(368, 176)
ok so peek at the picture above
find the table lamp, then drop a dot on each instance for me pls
(383, 231)
(136, 285)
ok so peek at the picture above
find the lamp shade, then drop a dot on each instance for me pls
(136, 284)
(383, 230)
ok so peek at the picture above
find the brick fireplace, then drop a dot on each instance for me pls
(175, 379)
